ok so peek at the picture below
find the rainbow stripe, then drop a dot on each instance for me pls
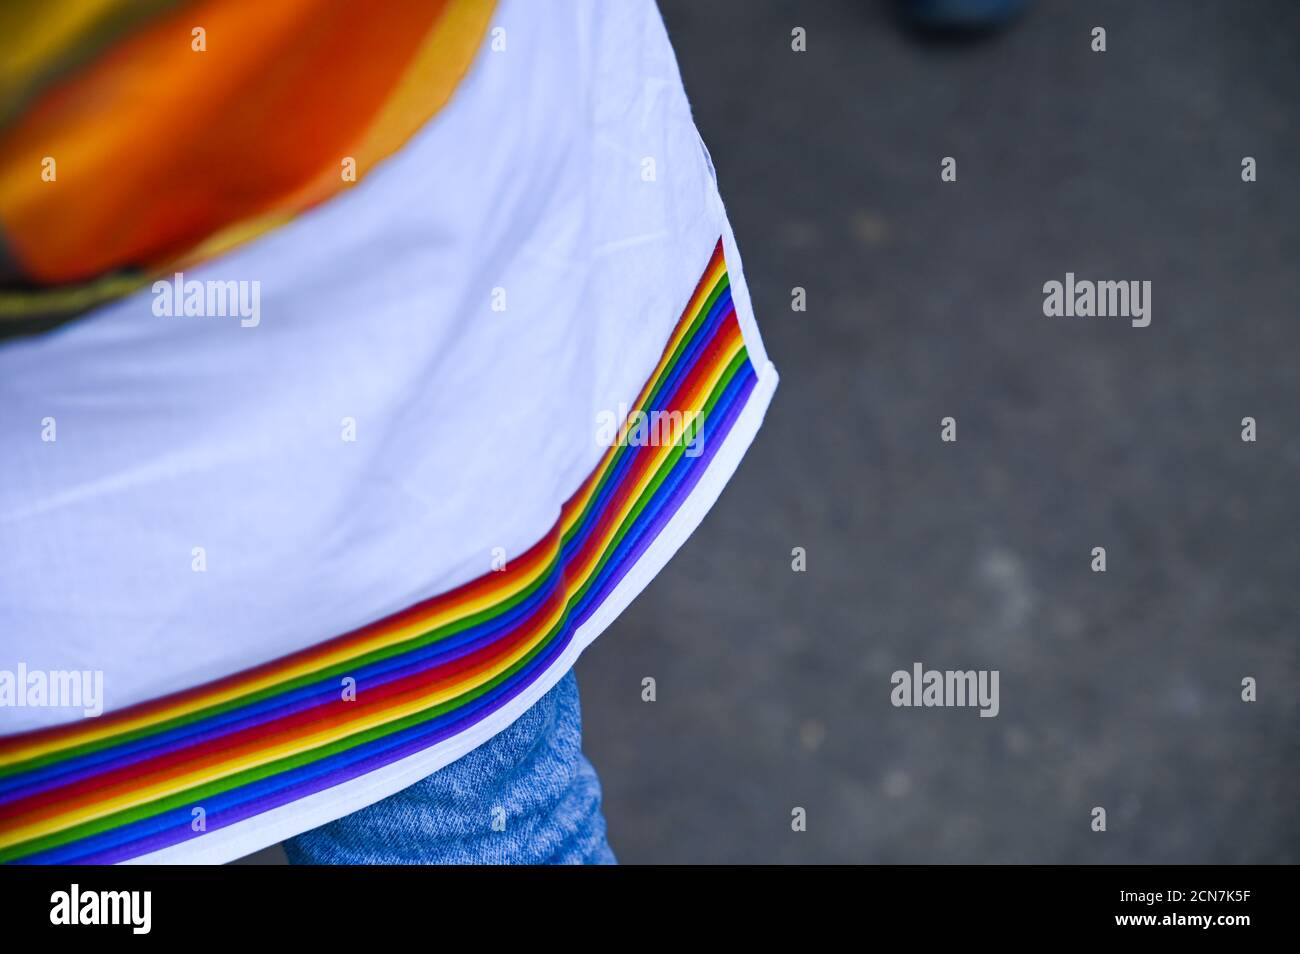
(125, 784)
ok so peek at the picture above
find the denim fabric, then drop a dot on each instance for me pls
(526, 796)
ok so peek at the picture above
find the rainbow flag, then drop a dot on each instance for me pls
(522, 321)
(133, 782)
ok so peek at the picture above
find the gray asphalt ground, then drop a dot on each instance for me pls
(1119, 689)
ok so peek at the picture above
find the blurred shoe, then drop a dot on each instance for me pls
(961, 14)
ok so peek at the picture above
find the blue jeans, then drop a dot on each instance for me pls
(526, 796)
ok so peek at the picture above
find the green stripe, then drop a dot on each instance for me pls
(405, 646)
(249, 776)
(664, 470)
(722, 284)
(257, 773)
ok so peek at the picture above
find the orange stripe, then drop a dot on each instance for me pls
(185, 774)
(483, 592)
(99, 803)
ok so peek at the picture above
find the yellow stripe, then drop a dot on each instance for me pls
(399, 634)
(179, 783)
(712, 277)
(40, 39)
(429, 81)
(325, 736)
(380, 640)
(54, 301)
(443, 59)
